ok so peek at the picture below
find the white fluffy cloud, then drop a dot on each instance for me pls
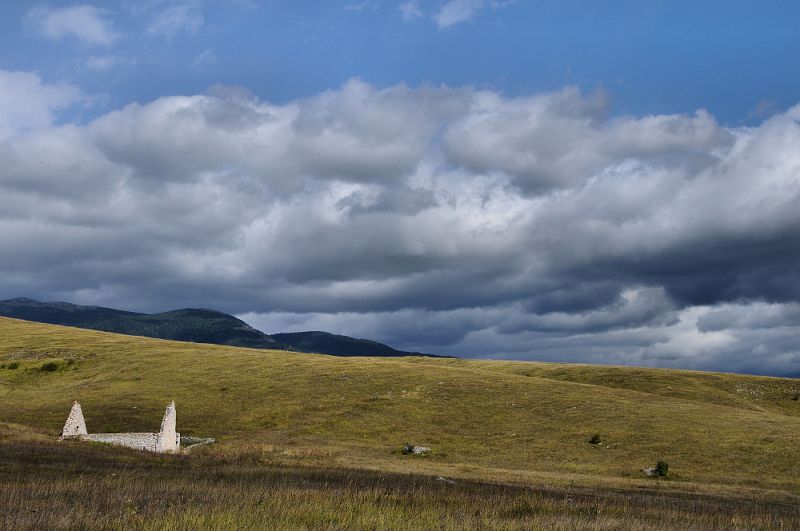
(453, 220)
(558, 139)
(84, 22)
(26, 103)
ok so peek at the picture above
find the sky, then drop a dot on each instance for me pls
(598, 181)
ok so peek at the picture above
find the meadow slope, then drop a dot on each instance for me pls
(515, 423)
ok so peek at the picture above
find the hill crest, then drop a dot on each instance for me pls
(196, 325)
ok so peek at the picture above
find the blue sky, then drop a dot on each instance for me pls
(734, 58)
(597, 181)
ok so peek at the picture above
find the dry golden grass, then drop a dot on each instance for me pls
(47, 485)
(732, 437)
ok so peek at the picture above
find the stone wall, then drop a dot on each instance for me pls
(138, 441)
(166, 440)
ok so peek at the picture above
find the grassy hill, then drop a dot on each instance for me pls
(339, 345)
(194, 325)
(523, 424)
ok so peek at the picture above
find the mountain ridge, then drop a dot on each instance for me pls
(196, 325)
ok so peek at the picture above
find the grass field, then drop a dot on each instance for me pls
(318, 437)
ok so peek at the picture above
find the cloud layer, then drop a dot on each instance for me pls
(449, 220)
(86, 23)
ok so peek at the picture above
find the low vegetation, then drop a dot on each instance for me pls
(49, 485)
(313, 441)
(50, 366)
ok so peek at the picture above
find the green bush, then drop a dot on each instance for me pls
(408, 448)
(595, 439)
(662, 469)
(13, 365)
(796, 397)
(50, 366)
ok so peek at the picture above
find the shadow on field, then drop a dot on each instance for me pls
(77, 485)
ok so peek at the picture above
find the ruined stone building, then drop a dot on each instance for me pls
(166, 440)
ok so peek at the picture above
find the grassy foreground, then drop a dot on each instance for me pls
(309, 440)
(47, 485)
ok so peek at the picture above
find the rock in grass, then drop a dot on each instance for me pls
(661, 470)
(412, 449)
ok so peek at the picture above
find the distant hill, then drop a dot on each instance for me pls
(191, 324)
(336, 345)
(195, 325)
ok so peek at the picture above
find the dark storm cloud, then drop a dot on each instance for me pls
(633, 308)
(459, 221)
(755, 316)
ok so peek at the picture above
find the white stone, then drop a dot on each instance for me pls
(75, 425)
(169, 440)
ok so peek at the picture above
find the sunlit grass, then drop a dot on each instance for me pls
(526, 424)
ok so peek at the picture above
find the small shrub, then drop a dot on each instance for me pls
(2, 365)
(408, 448)
(595, 439)
(13, 365)
(796, 397)
(50, 366)
(662, 469)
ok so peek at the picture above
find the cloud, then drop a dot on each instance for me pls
(633, 307)
(454, 12)
(86, 23)
(104, 63)
(411, 10)
(754, 316)
(437, 219)
(763, 109)
(457, 11)
(562, 138)
(27, 103)
(176, 18)
(204, 59)
(361, 6)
